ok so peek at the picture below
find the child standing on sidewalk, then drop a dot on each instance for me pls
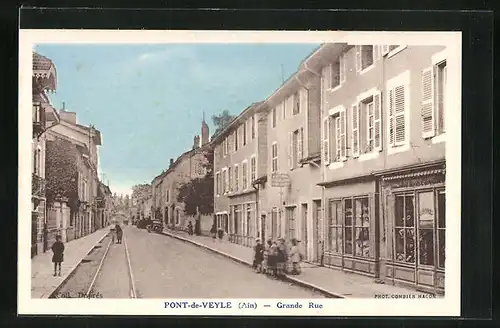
(58, 257)
(296, 257)
(258, 256)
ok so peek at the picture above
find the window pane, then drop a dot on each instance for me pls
(339, 239)
(366, 212)
(400, 245)
(426, 210)
(410, 245)
(441, 247)
(333, 239)
(338, 218)
(358, 212)
(366, 242)
(409, 211)
(426, 247)
(348, 240)
(348, 212)
(399, 206)
(441, 205)
(359, 242)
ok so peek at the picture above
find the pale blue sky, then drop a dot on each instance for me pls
(148, 100)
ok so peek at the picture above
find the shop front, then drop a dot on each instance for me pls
(351, 226)
(415, 201)
(243, 221)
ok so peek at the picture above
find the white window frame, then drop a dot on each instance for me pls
(217, 183)
(436, 60)
(339, 111)
(361, 100)
(253, 124)
(230, 179)
(244, 132)
(244, 175)
(224, 180)
(359, 58)
(253, 170)
(342, 74)
(236, 177)
(325, 146)
(274, 158)
(401, 79)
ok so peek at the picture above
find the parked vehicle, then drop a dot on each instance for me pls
(157, 226)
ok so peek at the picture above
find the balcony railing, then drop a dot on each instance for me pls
(38, 185)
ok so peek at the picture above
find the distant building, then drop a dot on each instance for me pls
(165, 187)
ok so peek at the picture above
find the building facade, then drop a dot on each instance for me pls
(84, 211)
(293, 197)
(240, 164)
(383, 160)
(44, 80)
(165, 187)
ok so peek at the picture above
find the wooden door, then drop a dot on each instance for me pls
(305, 241)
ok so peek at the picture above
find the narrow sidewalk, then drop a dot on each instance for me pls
(330, 282)
(43, 283)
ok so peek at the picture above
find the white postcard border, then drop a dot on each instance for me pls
(449, 305)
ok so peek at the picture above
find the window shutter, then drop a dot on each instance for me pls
(342, 68)
(427, 105)
(358, 58)
(290, 150)
(299, 144)
(343, 127)
(326, 144)
(399, 113)
(391, 117)
(355, 130)
(377, 101)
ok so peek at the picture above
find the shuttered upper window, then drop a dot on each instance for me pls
(335, 136)
(398, 110)
(364, 57)
(433, 100)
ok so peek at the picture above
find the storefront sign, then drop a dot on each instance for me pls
(280, 180)
(417, 181)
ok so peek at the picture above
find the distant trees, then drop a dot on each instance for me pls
(221, 121)
(198, 194)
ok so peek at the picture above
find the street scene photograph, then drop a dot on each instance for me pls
(286, 170)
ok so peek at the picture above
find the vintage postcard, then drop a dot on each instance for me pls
(239, 173)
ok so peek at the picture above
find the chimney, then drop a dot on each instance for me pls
(196, 142)
(171, 162)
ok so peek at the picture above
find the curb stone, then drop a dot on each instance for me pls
(288, 278)
(73, 269)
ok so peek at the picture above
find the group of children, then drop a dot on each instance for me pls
(273, 257)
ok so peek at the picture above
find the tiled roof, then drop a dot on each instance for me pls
(41, 63)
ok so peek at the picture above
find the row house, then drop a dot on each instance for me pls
(383, 160)
(104, 205)
(239, 163)
(86, 204)
(44, 81)
(293, 161)
(165, 187)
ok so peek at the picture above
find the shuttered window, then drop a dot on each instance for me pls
(244, 175)
(377, 101)
(326, 143)
(230, 179)
(397, 115)
(296, 103)
(427, 104)
(343, 138)
(355, 130)
(364, 57)
(274, 157)
(274, 117)
(253, 169)
(236, 178)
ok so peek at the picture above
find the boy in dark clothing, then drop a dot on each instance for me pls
(58, 257)
(119, 233)
(258, 256)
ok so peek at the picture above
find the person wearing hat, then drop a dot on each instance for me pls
(258, 256)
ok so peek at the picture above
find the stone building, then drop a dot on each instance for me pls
(85, 139)
(239, 161)
(383, 160)
(44, 81)
(165, 187)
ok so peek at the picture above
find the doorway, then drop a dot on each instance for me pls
(34, 232)
(317, 219)
(274, 224)
(305, 240)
